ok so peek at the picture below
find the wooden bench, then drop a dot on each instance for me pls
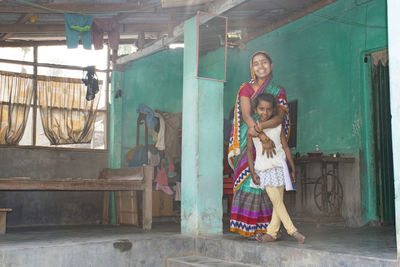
(3, 220)
(124, 179)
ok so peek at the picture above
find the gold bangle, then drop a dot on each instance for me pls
(257, 129)
(266, 139)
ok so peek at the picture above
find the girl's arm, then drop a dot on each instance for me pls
(250, 159)
(288, 155)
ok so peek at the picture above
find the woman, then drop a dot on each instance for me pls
(251, 208)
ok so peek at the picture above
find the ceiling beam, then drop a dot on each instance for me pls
(182, 3)
(60, 28)
(76, 7)
(217, 7)
(52, 43)
(22, 20)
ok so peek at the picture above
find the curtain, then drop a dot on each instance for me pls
(67, 117)
(16, 92)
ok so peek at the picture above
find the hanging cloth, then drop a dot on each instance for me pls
(75, 24)
(111, 27)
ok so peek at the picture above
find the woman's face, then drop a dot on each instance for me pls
(261, 66)
(265, 110)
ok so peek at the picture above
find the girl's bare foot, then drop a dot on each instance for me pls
(299, 237)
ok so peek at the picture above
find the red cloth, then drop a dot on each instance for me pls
(247, 91)
(161, 177)
(102, 25)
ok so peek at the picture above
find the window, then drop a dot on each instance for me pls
(58, 61)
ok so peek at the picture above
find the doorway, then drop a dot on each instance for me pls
(382, 136)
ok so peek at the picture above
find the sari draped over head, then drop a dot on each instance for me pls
(251, 208)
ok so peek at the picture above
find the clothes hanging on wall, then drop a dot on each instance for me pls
(160, 143)
(108, 25)
(173, 122)
(150, 119)
(76, 24)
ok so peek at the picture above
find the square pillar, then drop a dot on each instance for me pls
(393, 8)
(202, 145)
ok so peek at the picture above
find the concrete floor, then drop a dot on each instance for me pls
(111, 243)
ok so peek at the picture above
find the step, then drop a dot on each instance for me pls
(196, 261)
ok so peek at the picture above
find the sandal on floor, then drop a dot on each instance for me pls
(299, 237)
(265, 238)
(278, 235)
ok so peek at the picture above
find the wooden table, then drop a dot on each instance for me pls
(328, 191)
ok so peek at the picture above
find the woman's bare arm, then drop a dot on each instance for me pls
(245, 106)
(275, 120)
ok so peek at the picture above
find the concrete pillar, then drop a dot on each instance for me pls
(115, 122)
(115, 132)
(393, 7)
(202, 145)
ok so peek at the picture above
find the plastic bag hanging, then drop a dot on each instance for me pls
(91, 82)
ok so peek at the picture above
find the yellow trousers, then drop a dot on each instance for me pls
(279, 213)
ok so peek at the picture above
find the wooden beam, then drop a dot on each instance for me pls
(22, 20)
(288, 20)
(19, 183)
(47, 65)
(60, 28)
(51, 43)
(183, 3)
(218, 7)
(76, 7)
(171, 23)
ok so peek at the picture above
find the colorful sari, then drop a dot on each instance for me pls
(251, 208)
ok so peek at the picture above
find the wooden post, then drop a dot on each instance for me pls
(147, 197)
(3, 220)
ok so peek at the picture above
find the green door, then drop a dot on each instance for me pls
(383, 141)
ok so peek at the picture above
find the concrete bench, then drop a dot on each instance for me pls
(3, 220)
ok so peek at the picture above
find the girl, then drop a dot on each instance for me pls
(267, 172)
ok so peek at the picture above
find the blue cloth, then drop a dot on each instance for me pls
(139, 157)
(72, 35)
(150, 118)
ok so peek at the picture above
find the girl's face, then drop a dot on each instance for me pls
(264, 110)
(261, 66)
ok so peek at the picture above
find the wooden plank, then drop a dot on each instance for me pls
(3, 222)
(147, 197)
(69, 184)
(217, 7)
(52, 42)
(60, 28)
(106, 204)
(48, 65)
(76, 7)
(24, 18)
(183, 3)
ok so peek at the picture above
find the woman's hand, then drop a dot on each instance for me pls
(252, 132)
(255, 178)
(268, 147)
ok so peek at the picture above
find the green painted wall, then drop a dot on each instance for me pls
(155, 81)
(319, 61)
